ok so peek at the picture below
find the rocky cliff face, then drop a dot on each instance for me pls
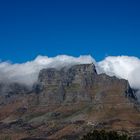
(80, 83)
(11, 91)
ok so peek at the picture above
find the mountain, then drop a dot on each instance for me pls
(80, 83)
(66, 103)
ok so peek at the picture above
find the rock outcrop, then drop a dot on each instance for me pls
(80, 83)
(11, 91)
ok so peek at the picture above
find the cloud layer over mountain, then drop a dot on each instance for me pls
(27, 73)
(121, 66)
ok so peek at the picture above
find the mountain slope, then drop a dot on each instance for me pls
(68, 102)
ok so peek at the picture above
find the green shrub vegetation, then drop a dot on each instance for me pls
(5, 138)
(103, 135)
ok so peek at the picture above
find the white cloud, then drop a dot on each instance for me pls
(123, 67)
(27, 73)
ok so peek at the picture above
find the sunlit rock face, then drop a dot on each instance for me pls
(79, 83)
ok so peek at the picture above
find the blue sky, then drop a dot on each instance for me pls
(74, 27)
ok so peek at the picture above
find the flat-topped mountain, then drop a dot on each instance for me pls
(68, 102)
(79, 83)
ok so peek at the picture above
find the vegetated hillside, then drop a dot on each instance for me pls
(66, 104)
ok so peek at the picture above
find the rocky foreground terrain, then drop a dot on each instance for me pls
(65, 104)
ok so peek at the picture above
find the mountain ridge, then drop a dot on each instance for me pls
(67, 103)
(83, 76)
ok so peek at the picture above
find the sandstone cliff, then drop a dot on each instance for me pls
(80, 83)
